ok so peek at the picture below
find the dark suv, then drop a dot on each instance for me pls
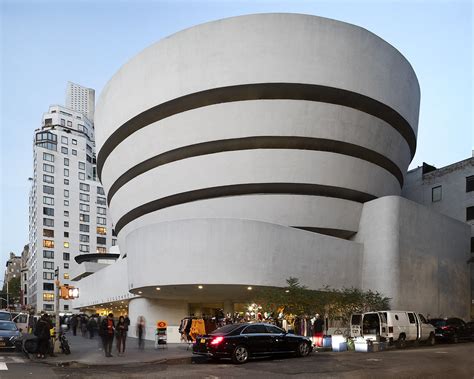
(452, 329)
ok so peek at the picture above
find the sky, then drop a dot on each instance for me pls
(45, 44)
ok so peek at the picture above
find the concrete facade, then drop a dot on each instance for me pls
(244, 151)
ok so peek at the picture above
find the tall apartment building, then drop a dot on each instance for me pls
(448, 190)
(68, 211)
(80, 99)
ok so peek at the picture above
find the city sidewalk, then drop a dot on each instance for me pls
(89, 352)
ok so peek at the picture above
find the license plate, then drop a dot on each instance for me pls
(203, 340)
(2, 343)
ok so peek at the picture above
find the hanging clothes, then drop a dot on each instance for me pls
(197, 328)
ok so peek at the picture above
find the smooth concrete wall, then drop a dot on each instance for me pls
(416, 256)
(228, 251)
(157, 310)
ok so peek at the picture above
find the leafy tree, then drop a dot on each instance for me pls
(14, 288)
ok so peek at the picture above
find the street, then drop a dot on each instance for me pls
(440, 361)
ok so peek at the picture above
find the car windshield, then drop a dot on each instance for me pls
(7, 326)
(438, 322)
(5, 316)
(226, 329)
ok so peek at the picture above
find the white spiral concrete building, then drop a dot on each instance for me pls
(241, 152)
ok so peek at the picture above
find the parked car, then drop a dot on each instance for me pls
(9, 335)
(5, 316)
(243, 341)
(397, 327)
(452, 329)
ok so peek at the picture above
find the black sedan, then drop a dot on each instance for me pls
(452, 329)
(243, 341)
(9, 335)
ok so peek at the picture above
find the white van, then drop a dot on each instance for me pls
(392, 326)
(23, 321)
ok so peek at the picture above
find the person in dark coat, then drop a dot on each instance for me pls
(74, 324)
(107, 330)
(121, 330)
(42, 332)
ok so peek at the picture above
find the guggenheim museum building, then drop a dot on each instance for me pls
(241, 152)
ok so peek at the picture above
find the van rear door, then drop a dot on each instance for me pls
(383, 324)
(356, 325)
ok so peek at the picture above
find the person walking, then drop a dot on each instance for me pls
(91, 326)
(43, 334)
(84, 326)
(107, 330)
(141, 325)
(74, 325)
(318, 325)
(121, 330)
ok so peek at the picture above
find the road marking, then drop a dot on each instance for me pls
(17, 360)
(3, 366)
(373, 359)
(441, 352)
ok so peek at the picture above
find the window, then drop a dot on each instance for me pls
(64, 150)
(411, 317)
(101, 211)
(66, 234)
(63, 122)
(48, 179)
(472, 244)
(48, 275)
(48, 157)
(82, 166)
(66, 193)
(66, 265)
(469, 183)
(48, 189)
(66, 276)
(84, 217)
(48, 254)
(48, 222)
(66, 161)
(48, 307)
(255, 329)
(101, 221)
(83, 238)
(48, 287)
(100, 191)
(114, 242)
(66, 182)
(48, 233)
(101, 230)
(82, 176)
(66, 245)
(66, 203)
(48, 211)
(101, 240)
(101, 250)
(84, 187)
(84, 207)
(84, 197)
(66, 224)
(436, 194)
(469, 213)
(48, 200)
(74, 152)
(48, 168)
(66, 172)
(66, 307)
(84, 228)
(48, 243)
(74, 141)
(66, 256)
(101, 200)
(66, 213)
(48, 297)
(64, 139)
(84, 248)
(48, 265)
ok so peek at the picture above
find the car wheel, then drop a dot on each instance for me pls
(401, 343)
(303, 349)
(431, 340)
(240, 355)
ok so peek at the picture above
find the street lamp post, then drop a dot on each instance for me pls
(8, 298)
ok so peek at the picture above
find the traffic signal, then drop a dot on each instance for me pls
(68, 292)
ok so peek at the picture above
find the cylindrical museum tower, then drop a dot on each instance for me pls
(239, 153)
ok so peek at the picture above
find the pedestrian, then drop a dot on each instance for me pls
(43, 334)
(318, 325)
(141, 327)
(107, 330)
(127, 321)
(91, 326)
(74, 325)
(84, 326)
(121, 330)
